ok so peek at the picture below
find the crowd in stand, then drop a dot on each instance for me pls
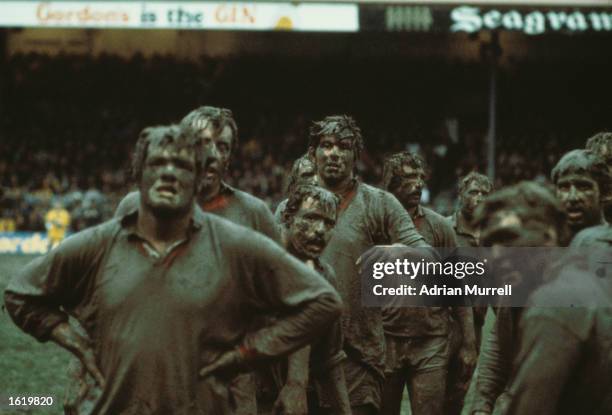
(68, 124)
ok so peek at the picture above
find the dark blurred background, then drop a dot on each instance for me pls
(73, 102)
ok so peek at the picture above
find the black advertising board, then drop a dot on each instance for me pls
(457, 18)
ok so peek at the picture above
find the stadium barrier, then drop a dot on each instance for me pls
(24, 243)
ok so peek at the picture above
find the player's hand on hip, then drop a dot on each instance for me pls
(468, 358)
(67, 337)
(88, 359)
(227, 366)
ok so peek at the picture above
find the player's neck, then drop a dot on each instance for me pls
(296, 253)
(594, 221)
(206, 195)
(412, 211)
(341, 188)
(161, 232)
(465, 220)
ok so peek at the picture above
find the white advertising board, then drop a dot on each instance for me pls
(322, 17)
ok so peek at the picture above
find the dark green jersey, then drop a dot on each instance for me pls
(423, 321)
(154, 320)
(368, 216)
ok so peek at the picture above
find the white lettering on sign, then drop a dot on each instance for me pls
(472, 19)
(601, 21)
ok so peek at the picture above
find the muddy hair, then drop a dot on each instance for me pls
(531, 202)
(163, 136)
(393, 166)
(473, 176)
(584, 162)
(600, 140)
(220, 118)
(295, 168)
(340, 126)
(303, 192)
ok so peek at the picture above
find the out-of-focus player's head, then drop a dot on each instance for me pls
(581, 179)
(473, 188)
(404, 175)
(335, 144)
(309, 218)
(524, 215)
(601, 144)
(168, 164)
(219, 133)
(303, 171)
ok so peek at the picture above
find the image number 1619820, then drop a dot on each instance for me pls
(30, 401)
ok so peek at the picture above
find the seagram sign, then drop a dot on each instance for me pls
(472, 19)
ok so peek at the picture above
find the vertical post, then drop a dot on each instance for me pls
(3, 61)
(491, 136)
(492, 52)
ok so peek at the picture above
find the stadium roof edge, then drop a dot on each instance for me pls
(575, 3)
(560, 3)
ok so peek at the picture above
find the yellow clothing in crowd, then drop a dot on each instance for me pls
(57, 221)
(7, 225)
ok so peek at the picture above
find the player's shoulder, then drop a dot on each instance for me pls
(375, 196)
(371, 190)
(248, 200)
(595, 235)
(232, 234)
(434, 216)
(570, 300)
(93, 238)
(569, 285)
(128, 204)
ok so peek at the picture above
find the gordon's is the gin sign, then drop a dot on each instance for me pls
(533, 22)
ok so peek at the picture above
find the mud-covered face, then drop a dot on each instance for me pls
(507, 230)
(408, 186)
(335, 159)
(306, 173)
(606, 199)
(472, 196)
(168, 180)
(218, 142)
(580, 196)
(310, 228)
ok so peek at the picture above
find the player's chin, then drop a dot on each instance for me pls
(314, 250)
(168, 208)
(335, 177)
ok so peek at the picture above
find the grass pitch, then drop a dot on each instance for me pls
(27, 367)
